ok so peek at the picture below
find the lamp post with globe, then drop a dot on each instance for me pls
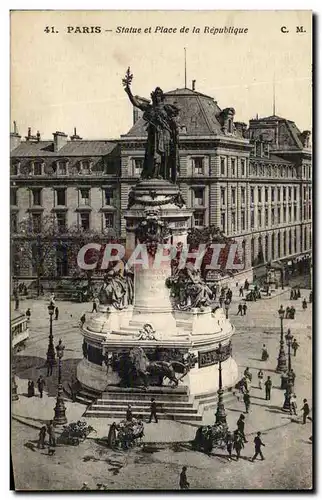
(51, 358)
(290, 379)
(220, 413)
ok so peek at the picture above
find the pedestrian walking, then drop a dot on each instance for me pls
(241, 427)
(241, 292)
(56, 313)
(129, 414)
(240, 309)
(94, 306)
(292, 294)
(238, 443)
(41, 384)
(183, 483)
(247, 401)
(153, 410)
(304, 304)
(83, 319)
(31, 389)
(229, 444)
(41, 437)
(51, 433)
(306, 410)
(268, 388)
(298, 293)
(295, 346)
(246, 285)
(28, 314)
(245, 309)
(293, 404)
(258, 444)
(260, 376)
(265, 354)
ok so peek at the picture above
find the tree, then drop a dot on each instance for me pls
(52, 249)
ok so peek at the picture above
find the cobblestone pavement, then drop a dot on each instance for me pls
(288, 451)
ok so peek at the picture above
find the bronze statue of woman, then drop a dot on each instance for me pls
(162, 148)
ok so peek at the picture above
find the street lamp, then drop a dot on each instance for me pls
(281, 364)
(51, 360)
(290, 380)
(60, 410)
(220, 413)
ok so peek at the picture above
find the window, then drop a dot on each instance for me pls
(198, 165)
(259, 195)
(272, 194)
(223, 196)
(233, 196)
(294, 213)
(37, 168)
(290, 213)
(222, 166)
(252, 250)
(284, 214)
(273, 246)
(199, 219)
(61, 196)
(223, 221)
(108, 220)
(243, 166)
(15, 168)
(295, 193)
(266, 195)
(36, 223)
(198, 197)
(259, 217)
(273, 217)
(266, 217)
(233, 222)
(62, 168)
(295, 242)
(290, 242)
(266, 248)
(108, 196)
(243, 220)
(13, 196)
(284, 244)
(233, 166)
(14, 223)
(61, 221)
(289, 194)
(84, 220)
(252, 222)
(138, 166)
(305, 239)
(279, 194)
(242, 194)
(36, 197)
(84, 196)
(252, 195)
(279, 245)
(284, 194)
(278, 215)
(310, 213)
(85, 167)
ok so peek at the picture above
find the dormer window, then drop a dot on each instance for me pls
(37, 168)
(85, 167)
(61, 167)
(15, 168)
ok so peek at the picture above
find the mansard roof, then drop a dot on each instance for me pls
(42, 149)
(198, 114)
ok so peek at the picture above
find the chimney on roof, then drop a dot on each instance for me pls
(15, 138)
(38, 135)
(60, 140)
(29, 134)
(75, 137)
(31, 138)
(193, 84)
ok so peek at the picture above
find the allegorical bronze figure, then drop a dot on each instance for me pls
(162, 148)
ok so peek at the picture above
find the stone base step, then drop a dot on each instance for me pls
(163, 393)
(145, 415)
(139, 409)
(145, 403)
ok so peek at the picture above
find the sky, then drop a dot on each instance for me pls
(64, 80)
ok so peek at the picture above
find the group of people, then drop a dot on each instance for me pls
(242, 309)
(31, 387)
(295, 293)
(50, 430)
(236, 440)
(153, 412)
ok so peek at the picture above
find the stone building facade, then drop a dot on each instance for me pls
(253, 182)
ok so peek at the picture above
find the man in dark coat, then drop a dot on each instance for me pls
(295, 346)
(41, 384)
(241, 427)
(51, 433)
(245, 309)
(306, 410)
(247, 401)
(184, 485)
(56, 313)
(240, 309)
(153, 409)
(258, 444)
(268, 388)
(238, 443)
